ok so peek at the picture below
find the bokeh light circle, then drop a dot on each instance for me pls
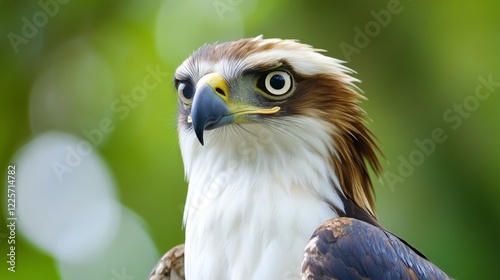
(66, 200)
(73, 91)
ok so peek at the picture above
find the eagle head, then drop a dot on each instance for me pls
(302, 101)
(276, 151)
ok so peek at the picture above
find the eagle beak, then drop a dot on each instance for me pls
(211, 107)
(209, 110)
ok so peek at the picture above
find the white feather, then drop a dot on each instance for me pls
(256, 194)
(305, 60)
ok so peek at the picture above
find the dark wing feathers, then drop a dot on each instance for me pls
(347, 248)
(351, 209)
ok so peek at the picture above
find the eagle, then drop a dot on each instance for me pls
(278, 155)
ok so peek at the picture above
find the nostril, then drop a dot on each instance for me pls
(220, 91)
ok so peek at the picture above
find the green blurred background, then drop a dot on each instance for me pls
(424, 61)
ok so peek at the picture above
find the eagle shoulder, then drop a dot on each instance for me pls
(347, 248)
(170, 266)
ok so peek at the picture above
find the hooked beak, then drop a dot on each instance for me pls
(212, 108)
(208, 111)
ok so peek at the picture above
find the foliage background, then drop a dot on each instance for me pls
(426, 59)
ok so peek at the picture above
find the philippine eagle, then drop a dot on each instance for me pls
(276, 153)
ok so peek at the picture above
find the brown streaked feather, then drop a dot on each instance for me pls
(235, 50)
(170, 266)
(329, 96)
(325, 96)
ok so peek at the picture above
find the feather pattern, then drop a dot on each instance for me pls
(260, 202)
(347, 248)
(259, 189)
(325, 91)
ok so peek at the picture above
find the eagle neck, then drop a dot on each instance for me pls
(256, 196)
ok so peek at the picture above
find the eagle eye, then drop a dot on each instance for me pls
(186, 92)
(275, 83)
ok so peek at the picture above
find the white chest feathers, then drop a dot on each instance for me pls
(255, 197)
